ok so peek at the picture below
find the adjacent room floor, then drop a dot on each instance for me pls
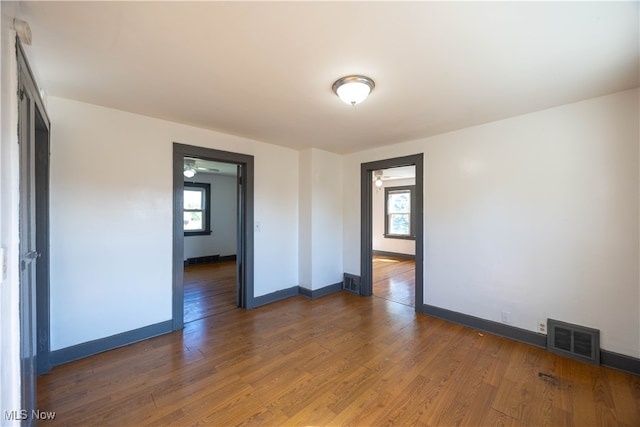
(394, 279)
(209, 289)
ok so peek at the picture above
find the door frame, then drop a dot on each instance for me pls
(245, 254)
(366, 222)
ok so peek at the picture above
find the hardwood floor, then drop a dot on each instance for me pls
(394, 279)
(209, 289)
(337, 360)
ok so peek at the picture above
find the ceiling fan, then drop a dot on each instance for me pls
(378, 175)
(204, 169)
(189, 168)
(193, 166)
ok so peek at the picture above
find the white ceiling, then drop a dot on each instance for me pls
(264, 70)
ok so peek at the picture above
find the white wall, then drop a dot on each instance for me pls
(223, 207)
(537, 215)
(9, 157)
(305, 224)
(111, 226)
(381, 243)
(327, 218)
(320, 175)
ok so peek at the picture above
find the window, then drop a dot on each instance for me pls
(196, 209)
(398, 210)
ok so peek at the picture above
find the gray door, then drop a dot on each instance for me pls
(28, 252)
(33, 137)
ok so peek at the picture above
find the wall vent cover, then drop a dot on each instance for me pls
(351, 283)
(577, 342)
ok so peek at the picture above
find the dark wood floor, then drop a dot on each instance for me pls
(337, 360)
(209, 289)
(394, 279)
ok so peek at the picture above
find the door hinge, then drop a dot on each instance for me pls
(21, 94)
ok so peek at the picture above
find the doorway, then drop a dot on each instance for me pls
(210, 238)
(367, 173)
(393, 228)
(244, 224)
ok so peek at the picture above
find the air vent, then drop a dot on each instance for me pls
(577, 342)
(351, 283)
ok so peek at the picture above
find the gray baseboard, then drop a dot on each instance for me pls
(295, 291)
(275, 296)
(620, 361)
(507, 331)
(607, 358)
(317, 293)
(69, 354)
(210, 259)
(393, 254)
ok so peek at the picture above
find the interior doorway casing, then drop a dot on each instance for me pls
(366, 223)
(245, 224)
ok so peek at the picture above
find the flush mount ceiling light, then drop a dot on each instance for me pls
(353, 90)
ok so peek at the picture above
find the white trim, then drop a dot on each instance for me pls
(9, 208)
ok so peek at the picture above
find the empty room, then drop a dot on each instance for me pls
(320, 213)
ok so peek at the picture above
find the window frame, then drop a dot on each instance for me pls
(206, 189)
(411, 189)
